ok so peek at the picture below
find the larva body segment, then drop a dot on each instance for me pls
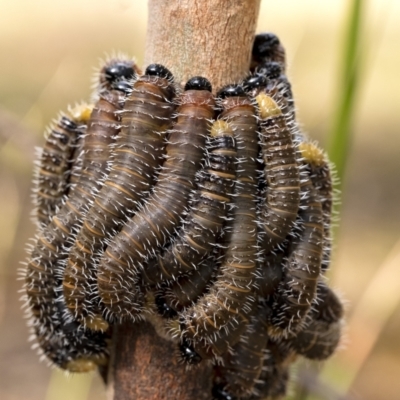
(242, 366)
(280, 207)
(273, 381)
(41, 279)
(70, 347)
(297, 290)
(153, 225)
(320, 174)
(207, 212)
(321, 336)
(193, 351)
(137, 155)
(232, 291)
(269, 273)
(173, 296)
(56, 159)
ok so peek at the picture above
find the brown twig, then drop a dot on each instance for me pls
(212, 38)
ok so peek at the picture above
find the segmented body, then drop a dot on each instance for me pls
(207, 214)
(297, 290)
(54, 241)
(280, 207)
(232, 291)
(173, 296)
(321, 336)
(242, 366)
(54, 166)
(320, 173)
(153, 225)
(273, 381)
(137, 155)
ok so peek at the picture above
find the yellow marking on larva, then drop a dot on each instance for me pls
(37, 266)
(137, 244)
(126, 170)
(81, 365)
(118, 187)
(81, 112)
(82, 247)
(221, 128)
(193, 243)
(221, 174)
(91, 230)
(214, 196)
(59, 225)
(118, 260)
(312, 154)
(96, 323)
(105, 210)
(72, 208)
(268, 107)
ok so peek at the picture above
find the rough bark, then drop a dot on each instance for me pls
(212, 38)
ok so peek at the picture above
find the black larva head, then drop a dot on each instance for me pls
(122, 86)
(164, 309)
(264, 44)
(158, 70)
(271, 70)
(188, 353)
(68, 124)
(198, 83)
(254, 82)
(231, 91)
(119, 70)
(219, 393)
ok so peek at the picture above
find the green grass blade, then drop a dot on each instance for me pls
(349, 78)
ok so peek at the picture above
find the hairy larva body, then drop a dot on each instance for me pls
(153, 225)
(207, 212)
(322, 334)
(319, 170)
(279, 209)
(232, 291)
(41, 278)
(297, 291)
(136, 157)
(242, 366)
(55, 163)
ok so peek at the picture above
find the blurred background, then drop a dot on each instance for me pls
(48, 51)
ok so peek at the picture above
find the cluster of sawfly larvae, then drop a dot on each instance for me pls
(208, 215)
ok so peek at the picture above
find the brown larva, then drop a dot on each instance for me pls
(242, 366)
(297, 290)
(52, 244)
(54, 165)
(173, 296)
(232, 293)
(207, 212)
(320, 173)
(273, 381)
(153, 225)
(321, 336)
(279, 208)
(137, 155)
